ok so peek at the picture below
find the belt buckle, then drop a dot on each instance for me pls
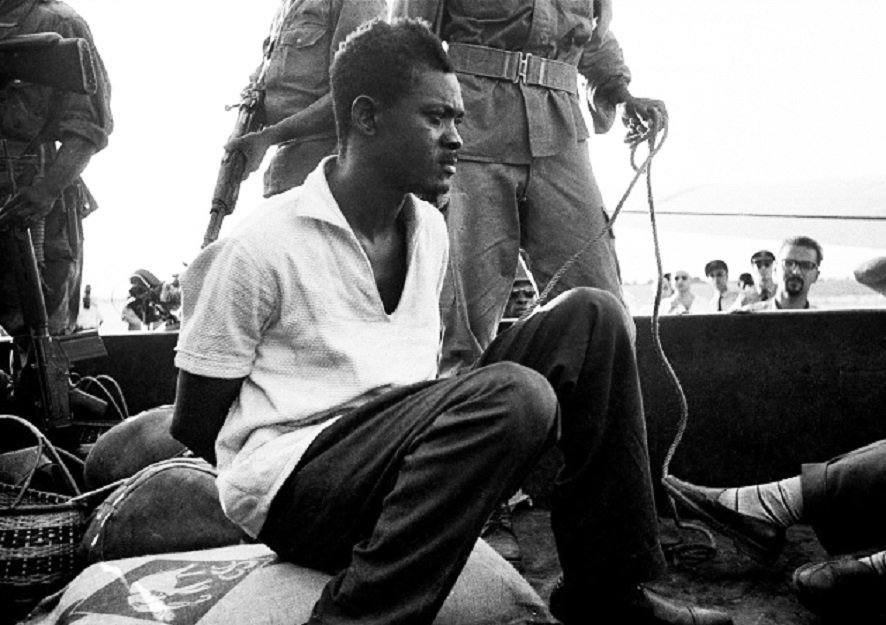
(522, 67)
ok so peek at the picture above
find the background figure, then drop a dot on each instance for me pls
(745, 282)
(524, 175)
(132, 316)
(797, 269)
(297, 105)
(62, 129)
(90, 318)
(146, 303)
(524, 293)
(872, 274)
(683, 300)
(717, 271)
(764, 286)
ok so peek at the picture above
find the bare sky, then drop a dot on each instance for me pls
(760, 92)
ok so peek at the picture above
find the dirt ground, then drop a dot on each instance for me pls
(752, 593)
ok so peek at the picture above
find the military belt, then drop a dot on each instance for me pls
(517, 67)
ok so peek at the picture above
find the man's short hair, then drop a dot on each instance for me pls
(807, 242)
(382, 60)
(713, 265)
(763, 255)
(746, 279)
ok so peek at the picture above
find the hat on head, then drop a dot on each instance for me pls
(714, 265)
(763, 255)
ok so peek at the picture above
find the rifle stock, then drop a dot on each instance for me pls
(233, 164)
(49, 59)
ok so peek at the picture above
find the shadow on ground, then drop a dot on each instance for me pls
(752, 593)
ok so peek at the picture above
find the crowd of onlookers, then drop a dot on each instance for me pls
(776, 281)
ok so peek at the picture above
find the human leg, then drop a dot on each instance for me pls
(846, 499)
(562, 213)
(393, 496)
(603, 513)
(481, 216)
(61, 267)
(580, 343)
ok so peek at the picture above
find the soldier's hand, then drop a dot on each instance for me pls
(642, 116)
(26, 207)
(253, 146)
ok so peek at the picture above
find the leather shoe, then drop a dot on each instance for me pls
(840, 587)
(640, 606)
(760, 540)
(498, 532)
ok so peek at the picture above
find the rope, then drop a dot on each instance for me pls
(681, 551)
(635, 141)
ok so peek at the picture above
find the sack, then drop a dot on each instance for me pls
(249, 584)
(169, 506)
(130, 446)
(39, 531)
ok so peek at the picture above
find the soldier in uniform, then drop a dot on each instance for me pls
(297, 105)
(524, 174)
(50, 136)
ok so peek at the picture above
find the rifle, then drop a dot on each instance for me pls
(230, 173)
(48, 59)
(41, 386)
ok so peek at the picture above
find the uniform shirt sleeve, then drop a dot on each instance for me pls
(86, 116)
(351, 14)
(602, 64)
(228, 300)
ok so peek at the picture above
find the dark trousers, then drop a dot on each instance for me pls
(392, 497)
(844, 499)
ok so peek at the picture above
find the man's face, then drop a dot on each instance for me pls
(420, 135)
(682, 281)
(798, 269)
(763, 269)
(720, 279)
(522, 299)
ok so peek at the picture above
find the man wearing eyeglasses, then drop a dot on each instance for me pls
(797, 270)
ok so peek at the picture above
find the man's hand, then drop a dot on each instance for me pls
(253, 146)
(27, 206)
(643, 116)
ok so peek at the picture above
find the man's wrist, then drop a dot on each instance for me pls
(618, 93)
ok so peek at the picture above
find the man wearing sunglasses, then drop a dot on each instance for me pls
(796, 269)
(764, 286)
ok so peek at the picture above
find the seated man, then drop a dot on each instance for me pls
(308, 358)
(843, 499)
(796, 270)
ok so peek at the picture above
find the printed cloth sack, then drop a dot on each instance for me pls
(169, 506)
(249, 584)
(130, 446)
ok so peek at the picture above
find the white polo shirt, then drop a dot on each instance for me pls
(288, 301)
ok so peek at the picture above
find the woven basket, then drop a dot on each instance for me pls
(39, 531)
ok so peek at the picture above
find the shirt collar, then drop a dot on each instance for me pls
(317, 201)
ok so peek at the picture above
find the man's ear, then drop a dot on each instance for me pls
(364, 115)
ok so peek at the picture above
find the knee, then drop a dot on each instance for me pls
(528, 406)
(585, 302)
